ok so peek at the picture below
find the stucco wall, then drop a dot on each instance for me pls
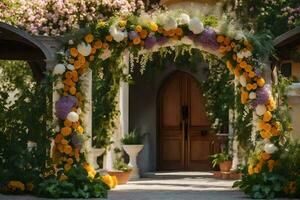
(143, 109)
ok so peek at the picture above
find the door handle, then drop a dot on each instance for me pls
(185, 130)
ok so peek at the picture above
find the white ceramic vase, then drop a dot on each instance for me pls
(133, 151)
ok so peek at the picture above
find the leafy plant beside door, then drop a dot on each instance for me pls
(223, 160)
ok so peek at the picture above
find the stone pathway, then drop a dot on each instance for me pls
(168, 186)
(176, 186)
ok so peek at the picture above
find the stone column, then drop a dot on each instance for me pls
(86, 114)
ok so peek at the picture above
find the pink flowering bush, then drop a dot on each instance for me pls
(57, 17)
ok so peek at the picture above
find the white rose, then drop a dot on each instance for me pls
(243, 81)
(183, 19)
(70, 67)
(73, 117)
(196, 26)
(270, 148)
(252, 95)
(59, 69)
(84, 49)
(116, 34)
(260, 109)
(169, 23)
(240, 54)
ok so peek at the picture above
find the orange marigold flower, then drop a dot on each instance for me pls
(98, 44)
(73, 51)
(227, 41)
(265, 134)
(77, 64)
(178, 31)
(109, 38)
(92, 58)
(80, 129)
(251, 74)
(271, 164)
(89, 38)
(67, 149)
(220, 38)
(65, 131)
(244, 97)
(267, 116)
(72, 90)
(66, 88)
(64, 142)
(265, 156)
(104, 45)
(68, 75)
(67, 123)
(138, 28)
(260, 82)
(67, 167)
(70, 161)
(143, 34)
(58, 138)
(136, 41)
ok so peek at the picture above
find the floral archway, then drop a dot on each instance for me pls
(137, 37)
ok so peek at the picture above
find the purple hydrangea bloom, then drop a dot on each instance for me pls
(208, 39)
(77, 140)
(262, 96)
(64, 105)
(258, 72)
(132, 35)
(150, 42)
(162, 40)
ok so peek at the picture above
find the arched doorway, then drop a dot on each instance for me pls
(185, 139)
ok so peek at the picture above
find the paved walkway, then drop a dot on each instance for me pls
(168, 186)
(177, 186)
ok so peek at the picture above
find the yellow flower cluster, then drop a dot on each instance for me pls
(16, 185)
(264, 159)
(64, 154)
(110, 181)
(90, 170)
(290, 188)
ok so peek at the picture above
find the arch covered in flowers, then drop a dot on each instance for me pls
(110, 40)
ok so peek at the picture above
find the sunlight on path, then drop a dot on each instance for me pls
(176, 185)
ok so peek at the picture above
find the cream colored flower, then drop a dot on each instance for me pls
(196, 26)
(59, 69)
(270, 148)
(169, 23)
(260, 109)
(84, 49)
(73, 117)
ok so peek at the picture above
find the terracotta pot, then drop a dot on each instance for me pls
(122, 177)
(225, 166)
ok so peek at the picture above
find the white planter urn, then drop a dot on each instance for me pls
(133, 151)
(96, 152)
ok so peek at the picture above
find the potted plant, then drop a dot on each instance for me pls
(133, 144)
(224, 160)
(122, 170)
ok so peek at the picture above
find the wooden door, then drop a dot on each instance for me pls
(185, 140)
